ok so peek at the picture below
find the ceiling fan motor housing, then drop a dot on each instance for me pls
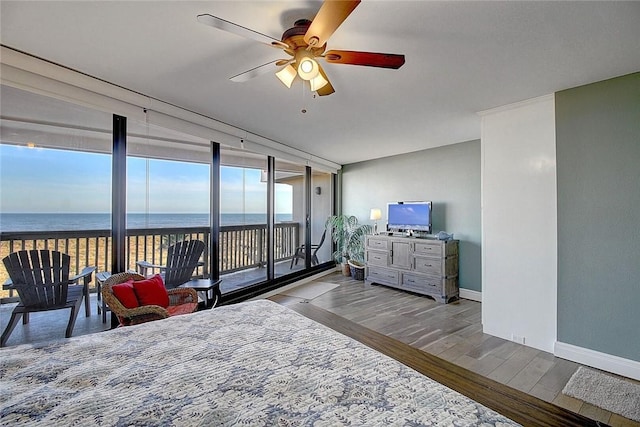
(294, 37)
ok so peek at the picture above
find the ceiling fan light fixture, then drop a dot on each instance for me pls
(287, 75)
(318, 82)
(308, 68)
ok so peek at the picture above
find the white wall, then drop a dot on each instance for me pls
(519, 223)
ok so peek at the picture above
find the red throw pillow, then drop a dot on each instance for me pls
(125, 294)
(151, 291)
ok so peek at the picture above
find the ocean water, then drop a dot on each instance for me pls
(10, 222)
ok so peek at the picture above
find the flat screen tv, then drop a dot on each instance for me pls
(409, 216)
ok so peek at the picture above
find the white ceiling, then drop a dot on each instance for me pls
(461, 58)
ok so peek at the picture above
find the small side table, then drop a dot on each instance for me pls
(206, 286)
(101, 277)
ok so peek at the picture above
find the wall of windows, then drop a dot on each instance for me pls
(252, 200)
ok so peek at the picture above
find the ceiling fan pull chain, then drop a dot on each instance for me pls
(304, 109)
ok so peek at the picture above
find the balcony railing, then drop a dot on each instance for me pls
(241, 246)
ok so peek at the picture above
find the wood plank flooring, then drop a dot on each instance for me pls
(453, 333)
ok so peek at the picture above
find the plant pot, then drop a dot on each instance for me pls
(346, 271)
(357, 270)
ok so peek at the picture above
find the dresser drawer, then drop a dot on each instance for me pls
(377, 243)
(422, 283)
(382, 275)
(428, 248)
(428, 265)
(377, 258)
(447, 267)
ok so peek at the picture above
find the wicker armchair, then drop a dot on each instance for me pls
(181, 301)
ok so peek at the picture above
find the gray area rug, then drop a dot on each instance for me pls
(310, 290)
(605, 391)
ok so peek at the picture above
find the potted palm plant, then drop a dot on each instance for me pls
(348, 236)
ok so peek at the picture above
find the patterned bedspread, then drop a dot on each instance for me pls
(250, 364)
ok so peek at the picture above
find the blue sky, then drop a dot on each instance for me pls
(45, 180)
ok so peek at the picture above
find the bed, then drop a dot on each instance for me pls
(250, 364)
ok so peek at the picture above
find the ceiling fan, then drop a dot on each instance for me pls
(305, 43)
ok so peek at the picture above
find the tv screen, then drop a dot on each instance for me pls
(405, 216)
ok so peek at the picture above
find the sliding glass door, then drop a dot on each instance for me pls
(243, 219)
(168, 194)
(321, 209)
(291, 217)
(55, 178)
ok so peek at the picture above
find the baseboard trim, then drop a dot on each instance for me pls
(469, 294)
(606, 362)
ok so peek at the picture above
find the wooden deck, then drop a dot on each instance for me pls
(241, 279)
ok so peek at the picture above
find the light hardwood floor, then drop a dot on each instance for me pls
(454, 332)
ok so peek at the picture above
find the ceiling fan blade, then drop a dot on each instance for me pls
(369, 59)
(239, 30)
(257, 71)
(331, 14)
(326, 89)
(281, 62)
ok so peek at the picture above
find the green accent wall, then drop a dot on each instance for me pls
(449, 176)
(598, 166)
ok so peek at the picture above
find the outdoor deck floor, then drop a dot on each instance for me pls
(244, 278)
